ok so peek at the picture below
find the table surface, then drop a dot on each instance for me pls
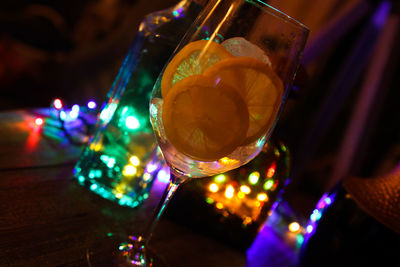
(48, 219)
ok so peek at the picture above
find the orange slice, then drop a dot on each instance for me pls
(258, 85)
(204, 120)
(192, 59)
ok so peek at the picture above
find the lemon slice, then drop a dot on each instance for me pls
(192, 59)
(259, 86)
(240, 47)
(203, 119)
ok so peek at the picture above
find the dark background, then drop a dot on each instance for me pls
(73, 49)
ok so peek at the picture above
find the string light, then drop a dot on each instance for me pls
(245, 189)
(229, 191)
(57, 103)
(213, 187)
(253, 177)
(294, 227)
(91, 104)
(268, 184)
(271, 170)
(129, 170)
(262, 197)
(39, 121)
(135, 160)
(131, 122)
(220, 178)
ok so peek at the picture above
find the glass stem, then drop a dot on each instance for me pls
(175, 182)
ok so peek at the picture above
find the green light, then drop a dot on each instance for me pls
(81, 179)
(253, 177)
(299, 239)
(109, 234)
(132, 123)
(283, 147)
(209, 200)
(268, 184)
(109, 161)
(220, 178)
(91, 174)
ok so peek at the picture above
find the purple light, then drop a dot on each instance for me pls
(382, 13)
(91, 104)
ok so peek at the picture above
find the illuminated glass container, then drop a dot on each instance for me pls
(234, 205)
(121, 160)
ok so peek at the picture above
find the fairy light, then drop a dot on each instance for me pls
(294, 227)
(91, 104)
(219, 205)
(245, 189)
(247, 220)
(268, 184)
(134, 160)
(129, 170)
(39, 121)
(209, 200)
(262, 197)
(240, 195)
(57, 103)
(220, 178)
(163, 175)
(213, 187)
(229, 191)
(271, 170)
(131, 122)
(146, 176)
(74, 113)
(253, 177)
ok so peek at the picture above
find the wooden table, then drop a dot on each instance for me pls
(48, 219)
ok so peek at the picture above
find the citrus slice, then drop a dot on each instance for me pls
(192, 59)
(258, 85)
(204, 120)
(240, 47)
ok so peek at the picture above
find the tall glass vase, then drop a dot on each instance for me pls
(121, 160)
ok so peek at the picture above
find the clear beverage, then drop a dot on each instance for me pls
(121, 159)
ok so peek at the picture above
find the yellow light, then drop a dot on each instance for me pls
(247, 220)
(213, 188)
(129, 170)
(118, 195)
(262, 197)
(253, 177)
(134, 160)
(294, 227)
(229, 191)
(146, 176)
(245, 189)
(219, 205)
(241, 194)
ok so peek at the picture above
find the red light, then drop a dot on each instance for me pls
(39, 121)
(57, 103)
(271, 170)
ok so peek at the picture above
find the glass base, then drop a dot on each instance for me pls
(132, 253)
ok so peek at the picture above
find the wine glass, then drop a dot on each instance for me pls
(219, 96)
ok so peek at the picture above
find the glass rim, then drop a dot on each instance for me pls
(274, 11)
